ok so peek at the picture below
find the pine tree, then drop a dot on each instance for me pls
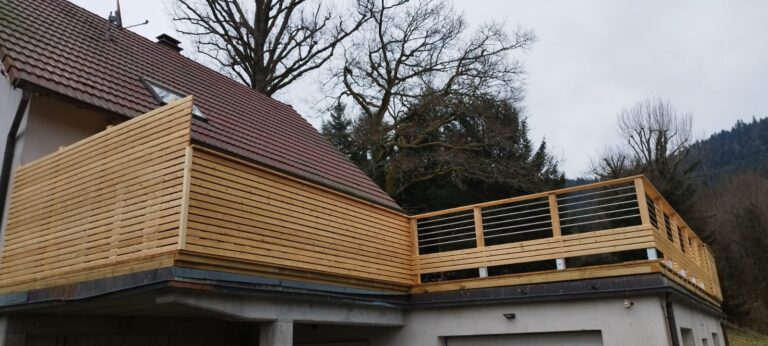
(338, 129)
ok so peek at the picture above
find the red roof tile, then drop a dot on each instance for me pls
(62, 47)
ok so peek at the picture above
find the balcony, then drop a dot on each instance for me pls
(613, 228)
(143, 195)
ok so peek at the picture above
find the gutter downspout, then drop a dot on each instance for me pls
(10, 149)
(671, 323)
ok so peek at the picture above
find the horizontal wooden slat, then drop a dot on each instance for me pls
(274, 183)
(106, 205)
(240, 211)
(623, 269)
(541, 249)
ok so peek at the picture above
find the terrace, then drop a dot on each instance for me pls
(142, 195)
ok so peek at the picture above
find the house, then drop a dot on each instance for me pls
(151, 200)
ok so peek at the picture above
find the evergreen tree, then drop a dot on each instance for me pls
(338, 129)
(483, 153)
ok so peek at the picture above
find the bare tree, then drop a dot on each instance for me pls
(415, 53)
(657, 143)
(658, 137)
(267, 44)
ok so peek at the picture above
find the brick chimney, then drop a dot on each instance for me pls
(170, 42)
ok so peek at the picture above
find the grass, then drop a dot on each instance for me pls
(745, 337)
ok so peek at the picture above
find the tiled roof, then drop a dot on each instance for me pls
(62, 47)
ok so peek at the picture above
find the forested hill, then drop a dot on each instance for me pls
(742, 148)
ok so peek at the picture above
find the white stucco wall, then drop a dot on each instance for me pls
(703, 324)
(54, 123)
(9, 104)
(642, 324)
(48, 124)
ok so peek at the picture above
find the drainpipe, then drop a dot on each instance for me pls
(671, 324)
(10, 149)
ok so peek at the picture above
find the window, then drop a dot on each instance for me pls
(715, 339)
(687, 335)
(166, 95)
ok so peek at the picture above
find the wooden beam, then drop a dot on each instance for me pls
(554, 214)
(184, 217)
(415, 236)
(479, 235)
(642, 203)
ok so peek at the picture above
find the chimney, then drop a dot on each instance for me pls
(168, 41)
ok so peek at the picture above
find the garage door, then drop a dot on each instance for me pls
(581, 338)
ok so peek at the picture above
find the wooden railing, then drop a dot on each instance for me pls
(141, 195)
(621, 222)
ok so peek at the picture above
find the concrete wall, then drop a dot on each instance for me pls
(642, 324)
(703, 324)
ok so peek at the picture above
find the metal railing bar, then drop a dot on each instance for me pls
(441, 218)
(596, 206)
(603, 220)
(447, 242)
(448, 224)
(448, 236)
(597, 199)
(517, 226)
(517, 219)
(594, 214)
(515, 213)
(519, 232)
(596, 192)
(514, 206)
(447, 230)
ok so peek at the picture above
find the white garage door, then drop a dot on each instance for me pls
(581, 338)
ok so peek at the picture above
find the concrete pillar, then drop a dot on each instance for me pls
(8, 335)
(277, 333)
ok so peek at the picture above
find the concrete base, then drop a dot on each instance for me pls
(9, 336)
(629, 320)
(252, 308)
(278, 333)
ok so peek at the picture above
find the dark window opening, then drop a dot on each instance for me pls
(606, 258)
(165, 95)
(450, 275)
(520, 268)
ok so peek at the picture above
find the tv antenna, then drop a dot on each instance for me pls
(115, 20)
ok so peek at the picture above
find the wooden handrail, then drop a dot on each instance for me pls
(527, 197)
(696, 259)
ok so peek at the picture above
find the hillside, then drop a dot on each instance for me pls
(744, 147)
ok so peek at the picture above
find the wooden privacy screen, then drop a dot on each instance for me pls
(109, 201)
(140, 196)
(239, 211)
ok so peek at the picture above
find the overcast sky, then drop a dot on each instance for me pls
(592, 58)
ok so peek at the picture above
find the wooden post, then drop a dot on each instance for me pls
(642, 203)
(185, 198)
(480, 237)
(554, 214)
(415, 261)
(479, 227)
